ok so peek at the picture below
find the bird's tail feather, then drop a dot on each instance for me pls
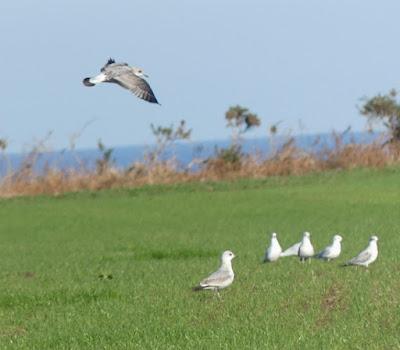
(197, 288)
(95, 80)
(87, 82)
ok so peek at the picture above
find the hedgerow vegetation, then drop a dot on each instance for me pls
(160, 166)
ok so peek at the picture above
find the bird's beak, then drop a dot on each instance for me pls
(145, 75)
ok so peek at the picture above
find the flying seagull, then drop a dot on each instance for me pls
(306, 250)
(130, 78)
(331, 251)
(274, 250)
(221, 278)
(368, 255)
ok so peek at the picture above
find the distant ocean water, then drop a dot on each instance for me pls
(184, 152)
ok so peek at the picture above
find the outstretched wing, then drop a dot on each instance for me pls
(138, 86)
(293, 250)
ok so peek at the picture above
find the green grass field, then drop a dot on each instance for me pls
(159, 241)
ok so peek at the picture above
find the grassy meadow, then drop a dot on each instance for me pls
(114, 269)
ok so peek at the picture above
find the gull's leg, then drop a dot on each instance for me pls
(216, 292)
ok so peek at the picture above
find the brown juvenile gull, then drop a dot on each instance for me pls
(130, 78)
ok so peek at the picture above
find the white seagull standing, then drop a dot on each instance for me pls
(130, 78)
(221, 278)
(368, 255)
(274, 250)
(306, 250)
(331, 251)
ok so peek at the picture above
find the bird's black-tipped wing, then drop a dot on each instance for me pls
(109, 62)
(137, 85)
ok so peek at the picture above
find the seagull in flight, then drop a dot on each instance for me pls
(331, 251)
(221, 278)
(274, 250)
(368, 255)
(131, 78)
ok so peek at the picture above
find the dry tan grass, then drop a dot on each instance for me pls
(289, 160)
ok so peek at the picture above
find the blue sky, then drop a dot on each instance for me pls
(307, 61)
